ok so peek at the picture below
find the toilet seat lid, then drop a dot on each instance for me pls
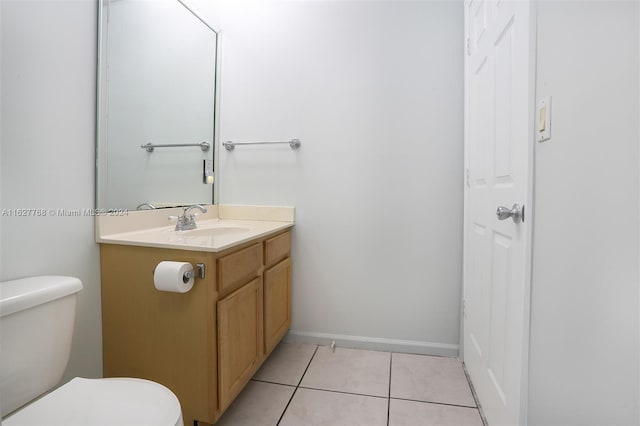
(114, 401)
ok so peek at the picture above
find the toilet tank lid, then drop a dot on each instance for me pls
(25, 293)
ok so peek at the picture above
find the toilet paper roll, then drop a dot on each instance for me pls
(170, 276)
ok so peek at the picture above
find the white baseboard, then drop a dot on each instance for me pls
(374, 343)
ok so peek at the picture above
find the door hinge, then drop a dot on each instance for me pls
(468, 47)
(467, 179)
(464, 309)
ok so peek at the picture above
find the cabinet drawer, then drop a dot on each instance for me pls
(239, 267)
(277, 248)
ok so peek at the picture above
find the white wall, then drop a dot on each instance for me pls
(584, 325)
(374, 90)
(47, 155)
(209, 10)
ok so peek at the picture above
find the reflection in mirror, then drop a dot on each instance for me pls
(157, 74)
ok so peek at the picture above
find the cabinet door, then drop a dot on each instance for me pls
(277, 303)
(239, 339)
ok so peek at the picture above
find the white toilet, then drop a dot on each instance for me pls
(37, 316)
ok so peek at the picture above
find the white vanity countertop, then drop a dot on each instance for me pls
(222, 227)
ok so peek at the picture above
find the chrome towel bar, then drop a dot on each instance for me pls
(150, 146)
(229, 146)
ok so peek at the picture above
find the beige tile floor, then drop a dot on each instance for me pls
(301, 384)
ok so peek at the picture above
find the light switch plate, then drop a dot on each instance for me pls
(543, 119)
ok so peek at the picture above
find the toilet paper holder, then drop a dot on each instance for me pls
(198, 272)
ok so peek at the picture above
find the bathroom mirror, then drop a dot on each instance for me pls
(156, 86)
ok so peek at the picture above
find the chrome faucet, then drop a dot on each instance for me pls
(187, 220)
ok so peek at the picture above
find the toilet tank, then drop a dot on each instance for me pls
(37, 317)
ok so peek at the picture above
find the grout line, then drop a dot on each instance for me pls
(389, 398)
(436, 403)
(344, 392)
(298, 386)
(287, 406)
(309, 364)
(273, 383)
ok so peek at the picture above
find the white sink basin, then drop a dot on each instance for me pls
(216, 231)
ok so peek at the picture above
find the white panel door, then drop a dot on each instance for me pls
(498, 149)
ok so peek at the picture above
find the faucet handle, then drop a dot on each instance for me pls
(200, 207)
(146, 206)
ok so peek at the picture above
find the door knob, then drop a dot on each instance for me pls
(516, 213)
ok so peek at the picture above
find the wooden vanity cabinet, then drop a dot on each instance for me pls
(206, 344)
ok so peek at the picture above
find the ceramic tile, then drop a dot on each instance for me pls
(349, 370)
(411, 413)
(315, 407)
(430, 379)
(258, 404)
(286, 364)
